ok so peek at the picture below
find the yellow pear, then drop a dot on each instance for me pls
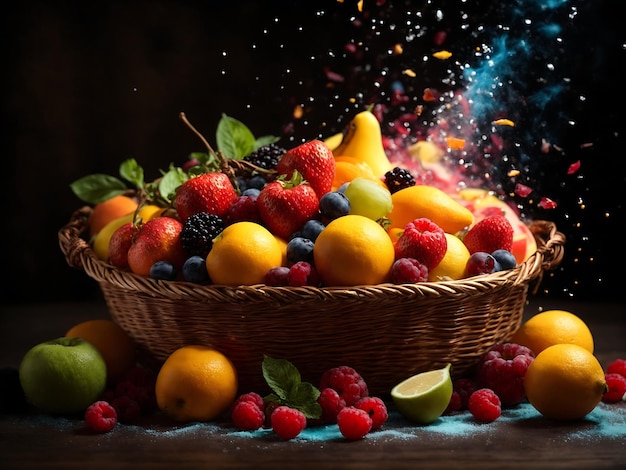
(364, 142)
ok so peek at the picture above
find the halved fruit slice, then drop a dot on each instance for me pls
(424, 397)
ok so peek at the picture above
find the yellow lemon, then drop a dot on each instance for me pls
(452, 266)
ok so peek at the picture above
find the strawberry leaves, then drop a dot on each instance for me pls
(285, 381)
(236, 140)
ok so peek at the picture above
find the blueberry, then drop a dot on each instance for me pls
(254, 192)
(334, 204)
(163, 270)
(504, 260)
(311, 229)
(242, 183)
(300, 249)
(194, 269)
(257, 181)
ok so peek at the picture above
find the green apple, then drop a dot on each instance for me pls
(63, 376)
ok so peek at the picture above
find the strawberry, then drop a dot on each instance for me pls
(209, 192)
(285, 205)
(314, 161)
(492, 233)
(424, 241)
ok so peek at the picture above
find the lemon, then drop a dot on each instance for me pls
(452, 266)
(424, 397)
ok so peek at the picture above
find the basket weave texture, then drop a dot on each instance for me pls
(386, 332)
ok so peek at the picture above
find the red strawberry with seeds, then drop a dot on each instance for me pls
(314, 161)
(285, 205)
(423, 240)
(492, 233)
(209, 192)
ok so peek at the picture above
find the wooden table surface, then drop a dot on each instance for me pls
(521, 438)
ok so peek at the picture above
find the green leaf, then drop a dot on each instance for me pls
(263, 141)
(304, 397)
(281, 376)
(98, 187)
(131, 171)
(171, 181)
(234, 138)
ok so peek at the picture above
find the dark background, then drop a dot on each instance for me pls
(87, 85)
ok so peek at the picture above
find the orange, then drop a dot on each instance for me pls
(115, 346)
(353, 250)
(106, 211)
(243, 253)
(565, 382)
(432, 203)
(196, 383)
(452, 266)
(553, 327)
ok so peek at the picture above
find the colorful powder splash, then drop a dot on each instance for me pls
(490, 83)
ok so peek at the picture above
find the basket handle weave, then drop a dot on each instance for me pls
(72, 244)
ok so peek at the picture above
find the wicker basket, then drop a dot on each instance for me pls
(387, 332)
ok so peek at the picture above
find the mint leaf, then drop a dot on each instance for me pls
(263, 141)
(132, 172)
(98, 187)
(234, 138)
(284, 380)
(304, 397)
(281, 376)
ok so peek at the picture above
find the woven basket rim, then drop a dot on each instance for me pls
(79, 254)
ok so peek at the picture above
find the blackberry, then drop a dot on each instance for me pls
(398, 178)
(266, 157)
(198, 233)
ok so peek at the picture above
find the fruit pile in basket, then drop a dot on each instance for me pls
(328, 213)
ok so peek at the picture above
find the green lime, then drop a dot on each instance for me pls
(424, 397)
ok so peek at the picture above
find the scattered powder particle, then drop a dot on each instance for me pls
(573, 168)
(504, 122)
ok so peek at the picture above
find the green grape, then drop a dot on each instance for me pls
(368, 198)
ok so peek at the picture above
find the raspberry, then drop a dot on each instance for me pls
(484, 405)
(618, 366)
(492, 233)
(252, 397)
(247, 415)
(127, 409)
(408, 270)
(278, 276)
(100, 417)
(462, 389)
(331, 404)
(198, 233)
(502, 369)
(375, 408)
(423, 240)
(303, 273)
(288, 422)
(244, 209)
(398, 178)
(347, 382)
(354, 423)
(616, 384)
